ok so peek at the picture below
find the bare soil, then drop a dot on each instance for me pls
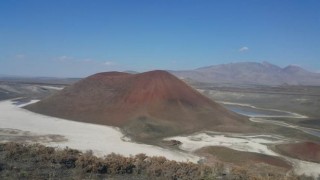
(307, 151)
(255, 162)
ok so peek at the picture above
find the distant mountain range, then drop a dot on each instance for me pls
(233, 73)
(252, 73)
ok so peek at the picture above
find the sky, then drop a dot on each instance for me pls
(76, 38)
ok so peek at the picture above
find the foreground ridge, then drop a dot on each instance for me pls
(18, 161)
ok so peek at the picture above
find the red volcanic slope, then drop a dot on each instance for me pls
(126, 100)
(308, 151)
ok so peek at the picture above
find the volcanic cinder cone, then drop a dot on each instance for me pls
(147, 105)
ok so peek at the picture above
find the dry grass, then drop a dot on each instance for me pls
(20, 161)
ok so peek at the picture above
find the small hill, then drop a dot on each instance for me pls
(252, 73)
(146, 105)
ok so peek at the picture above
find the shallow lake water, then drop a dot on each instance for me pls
(258, 114)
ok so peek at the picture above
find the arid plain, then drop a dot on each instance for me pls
(277, 128)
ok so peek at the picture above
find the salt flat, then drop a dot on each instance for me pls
(288, 113)
(248, 143)
(241, 143)
(53, 87)
(102, 140)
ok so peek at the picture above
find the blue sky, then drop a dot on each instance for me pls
(75, 38)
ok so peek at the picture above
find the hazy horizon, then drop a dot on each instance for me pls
(128, 70)
(79, 38)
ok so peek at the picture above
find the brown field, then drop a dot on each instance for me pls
(255, 162)
(308, 151)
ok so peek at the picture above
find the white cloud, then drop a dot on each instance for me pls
(64, 58)
(88, 60)
(108, 63)
(243, 49)
(84, 61)
(71, 59)
(174, 62)
(20, 56)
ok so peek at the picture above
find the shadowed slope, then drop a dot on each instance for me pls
(151, 104)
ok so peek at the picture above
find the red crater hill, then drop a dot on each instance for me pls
(146, 105)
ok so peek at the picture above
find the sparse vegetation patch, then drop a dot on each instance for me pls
(21, 161)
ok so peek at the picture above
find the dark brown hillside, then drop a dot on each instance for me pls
(151, 104)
